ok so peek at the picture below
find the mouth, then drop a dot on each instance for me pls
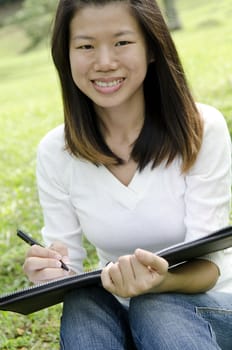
(108, 85)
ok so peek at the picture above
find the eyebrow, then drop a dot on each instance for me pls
(88, 37)
(85, 37)
(123, 32)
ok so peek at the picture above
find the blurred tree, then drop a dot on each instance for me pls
(172, 15)
(35, 17)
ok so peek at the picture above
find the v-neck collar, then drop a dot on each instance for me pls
(114, 178)
(129, 195)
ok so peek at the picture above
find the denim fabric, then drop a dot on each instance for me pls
(93, 319)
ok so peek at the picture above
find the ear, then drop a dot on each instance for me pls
(150, 57)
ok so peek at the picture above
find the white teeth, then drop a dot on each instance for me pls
(107, 84)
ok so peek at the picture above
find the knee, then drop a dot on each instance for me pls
(81, 307)
(84, 299)
(150, 322)
(149, 311)
(160, 311)
(169, 321)
(93, 319)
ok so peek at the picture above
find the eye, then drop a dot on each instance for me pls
(85, 47)
(123, 43)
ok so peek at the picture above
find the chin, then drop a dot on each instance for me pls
(107, 104)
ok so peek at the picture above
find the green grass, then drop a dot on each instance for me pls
(205, 49)
(30, 106)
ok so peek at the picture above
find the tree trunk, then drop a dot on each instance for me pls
(171, 12)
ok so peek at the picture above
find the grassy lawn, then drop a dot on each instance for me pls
(30, 106)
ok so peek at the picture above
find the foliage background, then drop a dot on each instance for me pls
(35, 17)
(30, 105)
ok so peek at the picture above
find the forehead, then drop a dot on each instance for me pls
(110, 17)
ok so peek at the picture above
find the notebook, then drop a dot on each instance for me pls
(35, 298)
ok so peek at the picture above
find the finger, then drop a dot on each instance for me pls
(139, 269)
(116, 275)
(47, 275)
(151, 260)
(112, 278)
(38, 251)
(59, 247)
(106, 279)
(126, 268)
(37, 263)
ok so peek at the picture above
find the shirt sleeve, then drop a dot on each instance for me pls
(60, 220)
(208, 185)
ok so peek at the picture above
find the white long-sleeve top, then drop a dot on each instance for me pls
(160, 207)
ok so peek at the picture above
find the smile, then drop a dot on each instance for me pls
(108, 84)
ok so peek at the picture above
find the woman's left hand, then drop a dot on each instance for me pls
(136, 274)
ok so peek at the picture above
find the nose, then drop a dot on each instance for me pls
(105, 59)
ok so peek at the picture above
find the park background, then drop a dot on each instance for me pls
(30, 105)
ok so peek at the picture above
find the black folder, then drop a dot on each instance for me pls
(31, 299)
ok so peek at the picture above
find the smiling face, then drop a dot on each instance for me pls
(108, 55)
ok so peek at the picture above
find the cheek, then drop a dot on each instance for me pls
(139, 62)
(79, 72)
(139, 68)
(78, 66)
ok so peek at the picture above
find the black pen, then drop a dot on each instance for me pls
(29, 240)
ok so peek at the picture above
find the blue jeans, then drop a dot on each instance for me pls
(93, 319)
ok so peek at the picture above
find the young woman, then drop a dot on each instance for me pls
(137, 167)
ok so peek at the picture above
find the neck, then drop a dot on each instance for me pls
(121, 125)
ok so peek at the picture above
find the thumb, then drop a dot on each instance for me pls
(151, 260)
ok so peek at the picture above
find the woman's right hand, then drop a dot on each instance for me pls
(43, 264)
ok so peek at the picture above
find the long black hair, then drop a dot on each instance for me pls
(172, 125)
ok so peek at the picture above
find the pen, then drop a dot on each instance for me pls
(29, 240)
